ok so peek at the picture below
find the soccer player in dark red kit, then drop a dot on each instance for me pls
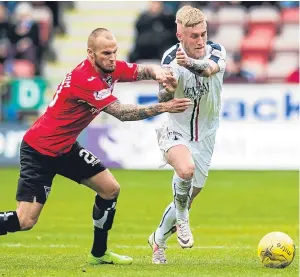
(49, 147)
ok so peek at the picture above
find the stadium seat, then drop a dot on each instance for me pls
(264, 19)
(288, 40)
(282, 65)
(236, 34)
(256, 48)
(290, 16)
(232, 15)
(264, 14)
(23, 69)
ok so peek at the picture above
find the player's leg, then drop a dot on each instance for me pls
(23, 219)
(33, 189)
(83, 167)
(180, 158)
(169, 140)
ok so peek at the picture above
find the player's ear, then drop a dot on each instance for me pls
(90, 53)
(179, 36)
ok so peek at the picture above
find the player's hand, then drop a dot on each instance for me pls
(170, 84)
(182, 58)
(177, 105)
(161, 74)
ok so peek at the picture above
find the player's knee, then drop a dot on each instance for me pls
(112, 192)
(186, 172)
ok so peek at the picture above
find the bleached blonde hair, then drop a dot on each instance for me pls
(188, 16)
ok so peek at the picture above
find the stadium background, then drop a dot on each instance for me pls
(253, 187)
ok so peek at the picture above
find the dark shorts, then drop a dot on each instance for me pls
(38, 170)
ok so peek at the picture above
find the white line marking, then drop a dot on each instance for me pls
(19, 245)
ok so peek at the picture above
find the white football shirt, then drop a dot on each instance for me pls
(202, 118)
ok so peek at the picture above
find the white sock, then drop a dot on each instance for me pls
(167, 224)
(181, 189)
(164, 230)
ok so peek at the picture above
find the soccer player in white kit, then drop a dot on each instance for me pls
(187, 139)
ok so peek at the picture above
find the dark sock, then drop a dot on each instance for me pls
(9, 222)
(103, 216)
(100, 242)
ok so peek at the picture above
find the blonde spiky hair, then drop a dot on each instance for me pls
(188, 16)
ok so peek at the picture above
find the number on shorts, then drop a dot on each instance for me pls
(87, 156)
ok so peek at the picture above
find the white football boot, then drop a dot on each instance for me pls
(184, 235)
(159, 255)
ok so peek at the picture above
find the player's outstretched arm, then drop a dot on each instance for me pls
(164, 95)
(152, 72)
(205, 67)
(129, 112)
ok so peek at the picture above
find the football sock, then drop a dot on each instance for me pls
(181, 189)
(166, 226)
(9, 222)
(103, 216)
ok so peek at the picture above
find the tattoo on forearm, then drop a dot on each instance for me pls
(145, 73)
(198, 66)
(163, 95)
(128, 112)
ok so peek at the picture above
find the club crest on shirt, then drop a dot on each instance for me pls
(108, 80)
(102, 94)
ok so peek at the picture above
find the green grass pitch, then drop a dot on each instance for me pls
(234, 211)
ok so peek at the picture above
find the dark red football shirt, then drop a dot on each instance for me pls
(79, 98)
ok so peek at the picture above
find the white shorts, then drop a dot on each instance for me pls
(201, 151)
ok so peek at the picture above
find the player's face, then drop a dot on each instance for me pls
(193, 40)
(105, 56)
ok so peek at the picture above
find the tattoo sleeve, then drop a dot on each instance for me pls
(128, 112)
(163, 95)
(200, 67)
(145, 72)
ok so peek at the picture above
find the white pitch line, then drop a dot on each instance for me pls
(19, 245)
(194, 247)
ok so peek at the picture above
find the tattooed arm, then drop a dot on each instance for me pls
(151, 72)
(164, 95)
(205, 67)
(129, 112)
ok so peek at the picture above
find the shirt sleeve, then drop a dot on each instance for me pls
(218, 55)
(169, 60)
(126, 72)
(99, 99)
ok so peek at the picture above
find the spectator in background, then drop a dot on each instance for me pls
(155, 32)
(24, 36)
(57, 10)
(4, 42)
(235, 72)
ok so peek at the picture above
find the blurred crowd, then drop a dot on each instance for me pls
(156, 32)
(26, 31)
(259, 36)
